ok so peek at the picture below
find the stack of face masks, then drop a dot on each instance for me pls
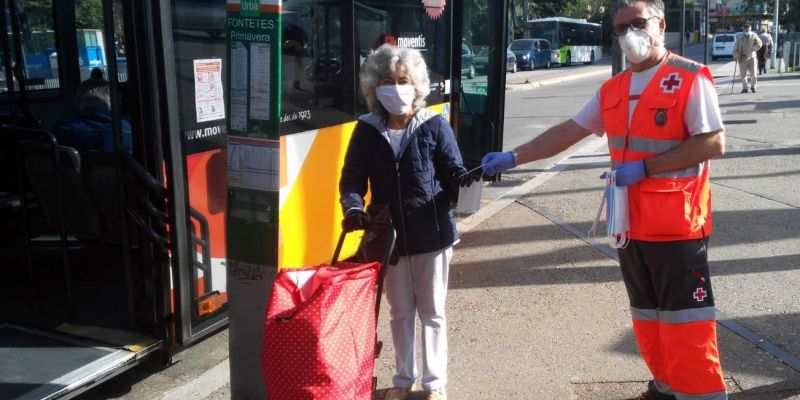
(615, 200)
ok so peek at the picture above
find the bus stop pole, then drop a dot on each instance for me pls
(705, 34)
(774, 58)
(682, 47)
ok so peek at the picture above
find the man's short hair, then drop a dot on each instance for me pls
(746, 26)
(656, 6)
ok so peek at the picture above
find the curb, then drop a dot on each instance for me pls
(552, 81)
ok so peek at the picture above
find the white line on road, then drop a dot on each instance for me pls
(202, 386)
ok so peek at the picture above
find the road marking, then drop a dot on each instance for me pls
(202, 386)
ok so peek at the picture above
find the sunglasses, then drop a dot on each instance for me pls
(636, 25)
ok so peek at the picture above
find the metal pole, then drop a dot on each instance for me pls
(705, 35)
(774, 60)
(682, 47)
(617, 58)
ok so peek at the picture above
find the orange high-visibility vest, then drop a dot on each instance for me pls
(670, 206)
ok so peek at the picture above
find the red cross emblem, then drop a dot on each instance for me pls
(671, 83)
(699, 294)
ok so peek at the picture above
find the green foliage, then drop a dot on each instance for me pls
(39, 13)
(475, 24)
(89, 14)
(789, 10)
(591, 10)
(547, 8)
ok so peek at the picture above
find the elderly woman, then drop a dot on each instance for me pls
(407, 155)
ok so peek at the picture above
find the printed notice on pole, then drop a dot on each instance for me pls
(208, 93)
(253, 164)
(259, 81)
(239, 64)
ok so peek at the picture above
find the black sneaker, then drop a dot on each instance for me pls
(753, 90)
(744, 90)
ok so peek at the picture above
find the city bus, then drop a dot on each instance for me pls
(227, 133)
(576, 39)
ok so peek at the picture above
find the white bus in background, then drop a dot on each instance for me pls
(576, 39)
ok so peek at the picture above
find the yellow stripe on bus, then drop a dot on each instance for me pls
(310, 217)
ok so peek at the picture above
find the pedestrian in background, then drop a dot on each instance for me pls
(744, 52)
(408, 157)
(664, 124)
(765, 51)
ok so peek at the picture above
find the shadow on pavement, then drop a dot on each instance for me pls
(538, 233)
(773, 175)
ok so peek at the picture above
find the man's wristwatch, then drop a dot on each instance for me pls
(516, 157)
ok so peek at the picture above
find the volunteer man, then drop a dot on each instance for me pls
(663, 124)
(744, 52)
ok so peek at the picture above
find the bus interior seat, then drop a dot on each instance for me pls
(80, 213)
(104, 184)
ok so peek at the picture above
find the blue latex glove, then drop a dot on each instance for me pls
(496, 162)
(630, 173)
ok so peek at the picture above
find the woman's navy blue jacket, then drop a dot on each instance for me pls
(415, 184)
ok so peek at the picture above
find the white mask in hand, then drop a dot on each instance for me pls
(635, 45)
(396, 99)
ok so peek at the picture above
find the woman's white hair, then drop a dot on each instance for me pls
(382, 63)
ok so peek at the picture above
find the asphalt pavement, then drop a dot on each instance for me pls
(537, 309)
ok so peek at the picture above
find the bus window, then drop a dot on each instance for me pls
(38, 41)
(401, 23)
(91, 42)
(316, 88)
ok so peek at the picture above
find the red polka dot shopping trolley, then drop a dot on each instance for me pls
(320, 330)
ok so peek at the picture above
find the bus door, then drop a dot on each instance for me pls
(479, 77)
(195, 62)
(84, 292)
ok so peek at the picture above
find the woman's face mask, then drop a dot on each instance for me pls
(396, 99)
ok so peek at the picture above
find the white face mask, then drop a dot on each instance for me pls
(396, 99)
(635, 45)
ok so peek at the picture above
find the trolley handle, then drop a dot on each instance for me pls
(367, 225)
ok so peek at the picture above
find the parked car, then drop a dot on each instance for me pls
(467, 62)
(722, 45)
(511, 61)
(532, 53)
(482, 61)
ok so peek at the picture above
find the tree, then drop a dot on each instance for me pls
(789, 12)
(591, 10)
(546, 8)
(89, 14)
(39, 14)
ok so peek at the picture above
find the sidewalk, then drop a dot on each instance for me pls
(537, 310)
